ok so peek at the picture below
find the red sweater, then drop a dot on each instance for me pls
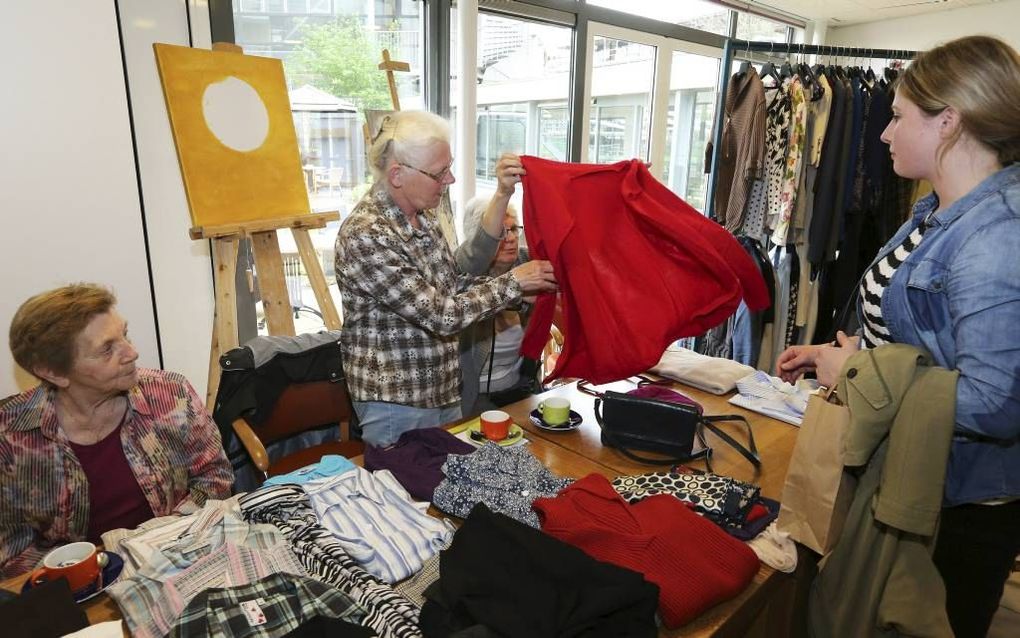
(695, 564)
(637, 266)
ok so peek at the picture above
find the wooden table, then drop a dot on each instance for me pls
(764, 608)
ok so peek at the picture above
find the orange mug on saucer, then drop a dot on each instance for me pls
(77, 562)
(495, 424)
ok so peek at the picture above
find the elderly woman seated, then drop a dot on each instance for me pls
(494, 372)
(100, 443)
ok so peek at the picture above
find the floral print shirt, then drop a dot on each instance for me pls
(793, 168)
(169, 439)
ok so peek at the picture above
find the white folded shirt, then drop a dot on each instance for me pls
(773, 397)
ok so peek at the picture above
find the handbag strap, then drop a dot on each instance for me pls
(749, 454)
(585, 387)
(704, 453)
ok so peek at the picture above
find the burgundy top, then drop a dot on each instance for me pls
(115, 498)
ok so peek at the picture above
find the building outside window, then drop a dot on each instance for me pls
(330, 51)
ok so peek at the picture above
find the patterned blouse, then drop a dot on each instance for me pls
(405, 304)
(793, 170)
(169, 439)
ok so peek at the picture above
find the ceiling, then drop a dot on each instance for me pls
(837, 13)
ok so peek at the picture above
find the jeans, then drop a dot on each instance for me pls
(382, 423)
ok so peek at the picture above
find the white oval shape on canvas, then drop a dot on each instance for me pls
(235, 114)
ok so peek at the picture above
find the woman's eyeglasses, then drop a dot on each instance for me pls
(516, 230)
(438, 177)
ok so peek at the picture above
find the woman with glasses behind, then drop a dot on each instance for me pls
(493, 370)
(405, 302)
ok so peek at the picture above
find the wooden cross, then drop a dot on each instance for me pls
(390, 66)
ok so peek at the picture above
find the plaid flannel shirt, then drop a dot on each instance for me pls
(405, 304)
(273, 606)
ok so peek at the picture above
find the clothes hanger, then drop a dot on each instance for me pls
(746, 63)
(786, 70)
(870, 74)
(769, 70)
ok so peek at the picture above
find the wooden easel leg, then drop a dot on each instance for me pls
(272, 283)
(316, 278)
(224, 333)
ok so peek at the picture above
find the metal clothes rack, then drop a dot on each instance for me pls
(734, 46)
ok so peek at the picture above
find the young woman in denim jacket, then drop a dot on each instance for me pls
(956, 123)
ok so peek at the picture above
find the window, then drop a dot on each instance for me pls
(330, 52)
(621, 89)
(696, 14)
(523, 81)
(689, 126)
(754, 27)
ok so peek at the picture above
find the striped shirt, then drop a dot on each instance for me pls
(405, 305)
(229, 555)
(377, 523)
(388, 613)
(876, 280)
(136, 546)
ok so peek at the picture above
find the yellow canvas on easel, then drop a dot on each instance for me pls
(231, 121)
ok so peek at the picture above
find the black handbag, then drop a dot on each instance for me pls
(630, 423)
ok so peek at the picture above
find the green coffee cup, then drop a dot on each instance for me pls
(555, 410)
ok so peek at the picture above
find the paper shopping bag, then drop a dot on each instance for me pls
(818, 489)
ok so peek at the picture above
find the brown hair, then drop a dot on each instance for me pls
(979, 76)
(45, 327)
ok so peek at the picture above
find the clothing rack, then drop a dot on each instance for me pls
(734, 46)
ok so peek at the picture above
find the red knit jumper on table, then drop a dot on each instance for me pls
(637, 266)
(695, 564)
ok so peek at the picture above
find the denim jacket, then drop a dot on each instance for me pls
(957, 295)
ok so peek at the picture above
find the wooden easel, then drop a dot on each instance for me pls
(269, 265)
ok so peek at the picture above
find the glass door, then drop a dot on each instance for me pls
(652, 98)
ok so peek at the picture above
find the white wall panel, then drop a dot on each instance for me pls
(69, 203)
(181, 271)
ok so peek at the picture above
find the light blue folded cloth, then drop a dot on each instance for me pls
(329, 465)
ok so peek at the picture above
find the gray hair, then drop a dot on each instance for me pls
(404, 136)
(473, 212)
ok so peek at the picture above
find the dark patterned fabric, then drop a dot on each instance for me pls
(722, 497)
(405, 305)
(507, 480)
(287, 506)
(273, 606)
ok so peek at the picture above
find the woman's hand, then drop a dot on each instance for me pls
(795, 361)
(534, 277)
(831, 359)
(826, 361)
(509, 170)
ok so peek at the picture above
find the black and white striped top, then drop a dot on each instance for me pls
(876, 280)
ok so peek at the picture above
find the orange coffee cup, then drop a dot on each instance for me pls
(77, 562)
(495, 424)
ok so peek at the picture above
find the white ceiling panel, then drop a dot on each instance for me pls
(844, 12)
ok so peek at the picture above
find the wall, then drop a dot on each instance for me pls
(89, 185)
(920, 32)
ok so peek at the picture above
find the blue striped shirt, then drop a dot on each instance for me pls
(377, 523)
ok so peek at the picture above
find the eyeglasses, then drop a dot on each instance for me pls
(516, 230)
(438, 177)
